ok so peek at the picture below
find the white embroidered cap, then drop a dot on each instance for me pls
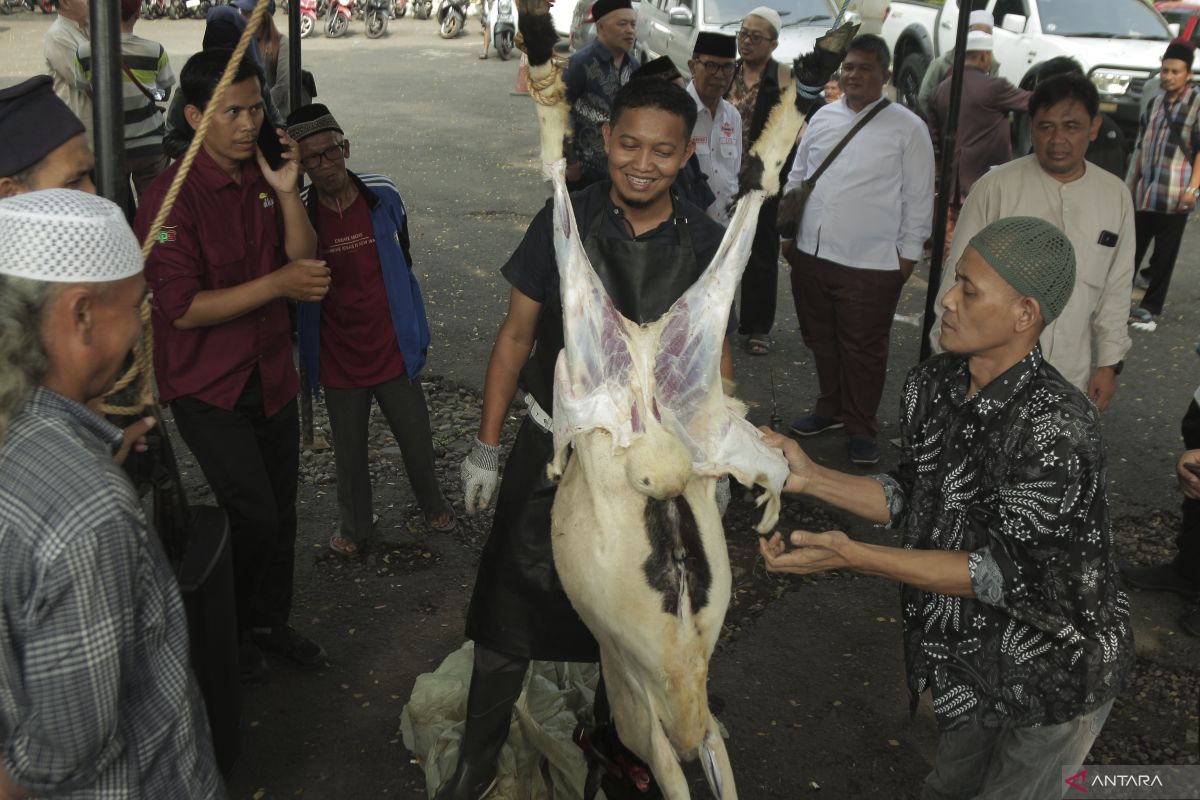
(66, 236)
(982, 17)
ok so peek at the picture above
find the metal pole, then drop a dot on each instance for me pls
(949, 138)
(294, 78)
(108, 115)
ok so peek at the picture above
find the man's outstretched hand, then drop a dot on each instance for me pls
(812, 552)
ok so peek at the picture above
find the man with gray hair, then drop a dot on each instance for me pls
(1014, 618)
(96, 695)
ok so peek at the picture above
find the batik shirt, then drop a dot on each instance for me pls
(1168, 140)
(1014, 476)
(592, 81)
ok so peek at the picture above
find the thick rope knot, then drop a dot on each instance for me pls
(548, 89)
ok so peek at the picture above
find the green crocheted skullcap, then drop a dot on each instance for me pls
(1035, 257)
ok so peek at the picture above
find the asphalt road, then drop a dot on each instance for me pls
(464, 154)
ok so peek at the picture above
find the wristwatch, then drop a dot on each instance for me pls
(1192, 190)
(1117, 367)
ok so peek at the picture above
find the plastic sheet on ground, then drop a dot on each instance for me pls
(539, 761)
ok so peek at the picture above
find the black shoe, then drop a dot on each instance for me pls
(1190, 622)
(863, 450)
(1159, 578)
(286, 642)
(252, 664)
(490, 703)
(813, 424)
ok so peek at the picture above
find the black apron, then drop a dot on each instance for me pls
(518, 606)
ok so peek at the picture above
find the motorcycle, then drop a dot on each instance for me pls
(451, 15)
(422, 9)
(504, 29)
(153, 9)
(198, 8)
(337, 18)
(399, 8)
(376, 17)
(308, 17)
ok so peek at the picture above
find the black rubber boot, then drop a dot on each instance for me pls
(489, 712)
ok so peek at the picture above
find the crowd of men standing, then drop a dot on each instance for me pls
(1034, 314)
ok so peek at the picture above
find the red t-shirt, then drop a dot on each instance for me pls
(358, 342)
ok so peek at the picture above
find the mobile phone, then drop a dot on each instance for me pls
(268, 143)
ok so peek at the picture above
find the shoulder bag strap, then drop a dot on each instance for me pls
(129, 74)
(858, 126)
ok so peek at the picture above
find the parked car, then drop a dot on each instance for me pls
(1185, 15)
(669, 27)
(1119, 44)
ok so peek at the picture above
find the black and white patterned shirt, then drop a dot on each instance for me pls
(97, 699)
(1015, 476)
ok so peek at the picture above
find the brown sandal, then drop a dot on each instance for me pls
(343, 546)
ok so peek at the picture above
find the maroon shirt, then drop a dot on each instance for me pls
(219, 234)
(358, 341)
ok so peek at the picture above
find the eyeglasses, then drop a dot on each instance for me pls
(334, 154)
(754, 37)
(717, 67)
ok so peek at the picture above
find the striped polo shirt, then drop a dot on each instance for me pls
(148, 62)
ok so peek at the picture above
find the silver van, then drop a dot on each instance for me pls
(669, 27)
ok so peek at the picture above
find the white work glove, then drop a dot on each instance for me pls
(724, 494)
(480, 473)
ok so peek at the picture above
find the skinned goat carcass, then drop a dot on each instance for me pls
(642, 431)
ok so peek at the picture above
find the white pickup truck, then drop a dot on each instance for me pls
(1117, 42)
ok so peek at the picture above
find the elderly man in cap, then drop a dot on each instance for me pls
(58, 157)
(984, 135)
(368, 338)
(595, 74)
(859, 238)
(235, 248)
(1014, 618)
(980, 21)
(757, 83)
(96, 695)
(717, 136)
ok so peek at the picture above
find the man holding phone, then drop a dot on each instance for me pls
(235, 248)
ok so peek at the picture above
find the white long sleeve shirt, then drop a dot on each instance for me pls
(1096, 213)
(718, 141)
(874, 204)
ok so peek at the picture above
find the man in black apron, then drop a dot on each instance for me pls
(648, 246)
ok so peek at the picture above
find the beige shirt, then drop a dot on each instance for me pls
(1092, 330)
(60, 44)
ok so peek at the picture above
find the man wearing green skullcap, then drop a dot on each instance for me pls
(1014, 618)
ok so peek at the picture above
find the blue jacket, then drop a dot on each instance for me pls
(389, 220)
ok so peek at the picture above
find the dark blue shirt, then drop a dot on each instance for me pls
(592, 81)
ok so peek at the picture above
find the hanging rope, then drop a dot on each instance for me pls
(142, 368)
(836, 22)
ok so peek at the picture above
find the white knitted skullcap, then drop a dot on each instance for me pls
(770, 15)
(978, 41)
(982, 17)
(66, 236)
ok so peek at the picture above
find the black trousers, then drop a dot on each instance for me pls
(760, 282)
(1166, 233)
(252, 463)
(1188, 560)
(403, 405)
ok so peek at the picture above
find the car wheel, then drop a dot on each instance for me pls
(908, 79)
